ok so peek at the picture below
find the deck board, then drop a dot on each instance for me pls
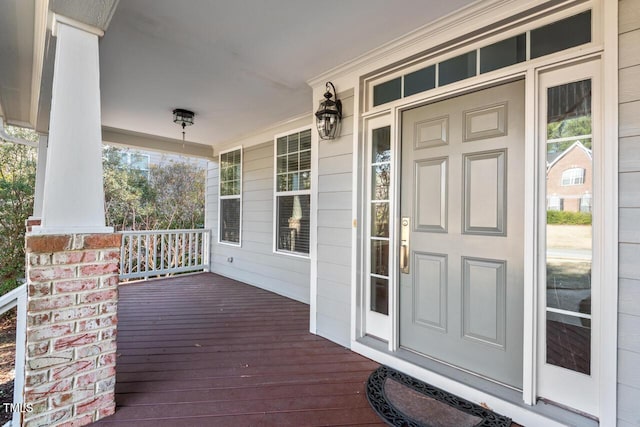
(204, 350)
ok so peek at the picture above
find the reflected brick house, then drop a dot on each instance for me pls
(569, 180)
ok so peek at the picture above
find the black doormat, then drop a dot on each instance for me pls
(401, 400)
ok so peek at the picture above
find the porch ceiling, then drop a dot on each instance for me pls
(241, 65)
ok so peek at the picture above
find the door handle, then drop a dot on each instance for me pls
(404, 245)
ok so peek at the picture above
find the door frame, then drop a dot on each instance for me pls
(605, 48)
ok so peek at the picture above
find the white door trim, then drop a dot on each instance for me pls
(605, 33)
(609, 273)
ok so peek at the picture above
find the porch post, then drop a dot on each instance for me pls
(73, 196)
(72, 257)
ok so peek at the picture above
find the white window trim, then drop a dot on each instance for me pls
(277, 193)
(239, 196)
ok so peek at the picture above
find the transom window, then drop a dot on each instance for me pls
(555, 37)
(573, 176)
(230, 199)
(293, 192)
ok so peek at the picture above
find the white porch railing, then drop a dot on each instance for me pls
(17, 298)
(154, 253)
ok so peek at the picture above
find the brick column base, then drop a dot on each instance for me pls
(72, 284)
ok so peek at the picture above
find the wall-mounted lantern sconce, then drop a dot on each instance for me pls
(183, 117)
(329, 114)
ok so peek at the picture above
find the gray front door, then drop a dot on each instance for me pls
(462, 201)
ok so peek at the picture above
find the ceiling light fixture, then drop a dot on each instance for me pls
(184, 118)
(329, 114)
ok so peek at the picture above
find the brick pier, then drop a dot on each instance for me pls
(71, 328)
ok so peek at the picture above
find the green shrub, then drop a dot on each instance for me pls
(568, 218)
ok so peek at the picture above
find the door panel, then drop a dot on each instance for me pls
(462, 190)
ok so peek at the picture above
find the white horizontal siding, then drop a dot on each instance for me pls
(629, 215)
(629, 154)
(335, 216)
(628, 398)
(629, 291)
(254, 262)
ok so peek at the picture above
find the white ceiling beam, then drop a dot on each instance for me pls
(156, 143)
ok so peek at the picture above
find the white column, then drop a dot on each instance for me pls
(73, 199)
(40, 172)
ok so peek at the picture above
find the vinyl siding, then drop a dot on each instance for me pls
(254, 262)
(629, 215)
(335, 164)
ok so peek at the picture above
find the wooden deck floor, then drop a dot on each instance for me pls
(203, 350)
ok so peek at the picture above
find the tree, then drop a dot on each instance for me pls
(127, 192)
(17, 183)
(170, 196)
(178, 190)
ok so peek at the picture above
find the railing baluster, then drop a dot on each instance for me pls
(177, 250)
(138, 261)
(196, 247)
(189, 255)
(184, 241)
(130, 269)
(162, 252)
(146, 253)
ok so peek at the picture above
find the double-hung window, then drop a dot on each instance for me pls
(230, 196)
(293, 192)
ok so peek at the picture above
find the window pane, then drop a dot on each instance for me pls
(380, 257)
(230, 220)
(139, 161)
(458, 68)
(387, 91)
(569, 236)
(305, 160)
(293, 142)
(561, 35)
(380, 295)
(282, 164)
(305, 140)
(380, 180)
(306, 180)
(569, 285)
(282, 145)
(380, 219)
(282, 182)
(504, 53)
(293, 162)
(569, 342)
(293, 223)
(381, 145)
(420, 80)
